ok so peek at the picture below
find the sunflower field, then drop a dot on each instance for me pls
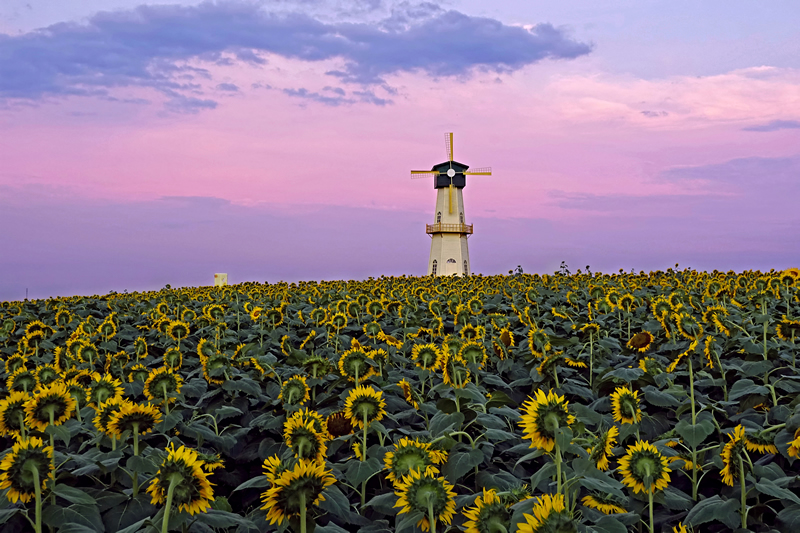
(660, 402)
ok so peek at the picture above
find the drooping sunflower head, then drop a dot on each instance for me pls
(625, 406)
(12, 413)
(50, 405)
(421, 491)
(356, 363)
(15, 362)
(140, 347)
(133, 417)
(183, 469)
(548, 514)
(104, 389)
(644, 468)
(283, 499)
(731, 454)
(602, 451)
(338, 425)
(16, 469)
(295, 391)
(338, 321)
(216, 368)
(604, 503)
(87, 352)
(541, 418)
(205, 349)
(137, 372)
(641, 342)
(487, 515)
(451, 344)
(304, 440)
(687, 325)
(408, 392)
(538, 342)
(307, 416)
(408, 455)
(364, 403)
(177, 330)
(455, 371)
(162, 383)
(427, 356)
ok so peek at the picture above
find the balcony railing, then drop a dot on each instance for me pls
(465, 229)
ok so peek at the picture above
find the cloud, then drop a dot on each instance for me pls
(333, 101)
(150, 46)
(752, 173)
(230, 87)
(775, 125)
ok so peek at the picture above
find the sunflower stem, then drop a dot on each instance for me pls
(364, 458)
(53, 459)
(591, 357)
(650, 501)
(743, 495)
(174, 480)
(431, 517)
(21, 426)
(558, 469)
(694, 422)
(302, 512)
(37, 487)
(135, 453)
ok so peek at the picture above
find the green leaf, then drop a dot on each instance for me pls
(659, 398)
(244, 385)
(626, 374)
(603, 484)
(609, 524)
(73, 495)
(75, 528)
(134, 528)
(59, 432)
(257, 482)
(358, 471)
(143, 465)
(226, 411)
(408, 522)
(790, 517)
(217, 518)
(460, 463)
(330, 528)
(6, 514)
(713, 508)
(498, 435)
(384, 503)
(695, 434)
(745, 387)
(768, 487)
(443, 422)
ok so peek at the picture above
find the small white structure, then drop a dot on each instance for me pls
(220, 280)
(449, 231)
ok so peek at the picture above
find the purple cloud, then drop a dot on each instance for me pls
(775, 125)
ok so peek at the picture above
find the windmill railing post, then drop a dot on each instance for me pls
(465, 229)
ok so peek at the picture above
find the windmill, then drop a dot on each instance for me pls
(449, 233)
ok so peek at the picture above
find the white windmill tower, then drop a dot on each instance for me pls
(449, 232)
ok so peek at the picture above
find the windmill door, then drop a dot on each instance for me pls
(451, 267)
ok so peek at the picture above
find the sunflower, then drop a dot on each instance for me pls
(304, 440)
(538, 342)
(687, 325)
(794, 446)
(603, 504)
(18, 465)
(162, 383)
(408, 393)
(140, 347)
(455, 372)
(451, 344)
(312, 417)
(542, 416)
(680, 528)
(273, 468)
(338, 425)
(206, 349)
(364, 403)
(409, 455)
(12, 413)
(137, 372)
(104, 389)
(354, 364)
(15, 362)
(45, 374)
(173, 358)
(643, 463)
(506, 337)
(549, 514)
(133, 417)
(21, 380)
(52, 405)
(625, 406)
(86, 352)
(338, 321)
(427, 356)
(107, 328)
(390, 340)
(487, 515)
(215, 368)
(473, 353)
(294, 391)
(425, 493)
(731, 454)
(641, 342)
(603, 448)
(302, 486)
(214, 312)
(182, 472)
(105, 410)
(674, 364)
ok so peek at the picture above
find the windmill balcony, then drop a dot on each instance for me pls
(464, 229)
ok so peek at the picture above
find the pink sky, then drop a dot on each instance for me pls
(572, 145)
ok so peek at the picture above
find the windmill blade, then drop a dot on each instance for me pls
(419, 174)
(448, 143)
(483, 171)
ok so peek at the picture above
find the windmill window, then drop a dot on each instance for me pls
(466, 271)
(439, 217)
(451, 260)
(461, 216)
(433, 268)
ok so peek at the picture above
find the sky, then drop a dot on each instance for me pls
(148, 143)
